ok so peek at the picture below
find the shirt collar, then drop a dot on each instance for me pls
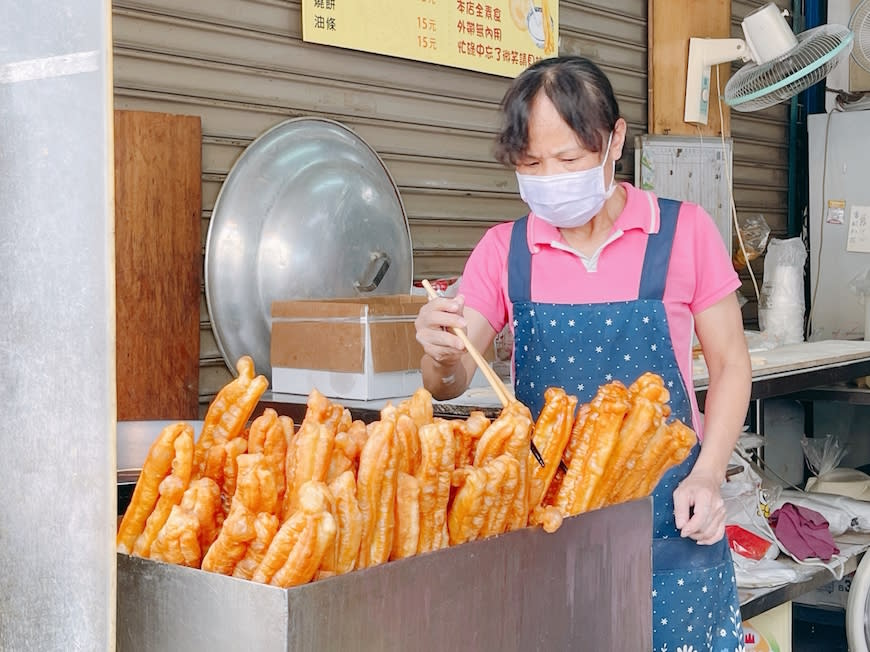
(641, 211)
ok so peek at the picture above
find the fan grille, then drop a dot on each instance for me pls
(860, 25)
(818, 51)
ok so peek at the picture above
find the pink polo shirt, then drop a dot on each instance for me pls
(700, 272)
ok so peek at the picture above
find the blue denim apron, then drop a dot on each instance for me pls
(582, 346)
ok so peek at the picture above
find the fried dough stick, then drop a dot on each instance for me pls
(640, 424)
(297, 550)
(178, 539)
(265, 527)
(232, 450)
(310, 451)
(671, 444)
(467, 433)
(518, 446)
(551, 433)
(342, 555)
(191, 527)
(270, 435)
(346, 450)
(407, 439)
(256, 492)
(467, 512)
(503, 482)
(406, 539)
(591, 452)
(434, 475)
(171, 490)
(376, 490)
(157, 465)
(483, 502)
(418, 407)
(236, 533)
(202, 499)
(230, 410)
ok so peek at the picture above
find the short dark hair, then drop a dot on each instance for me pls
(578, 89)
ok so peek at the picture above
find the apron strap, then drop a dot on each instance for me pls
(519, 263)
(658, 252)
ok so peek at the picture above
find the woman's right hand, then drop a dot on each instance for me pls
(433, 325)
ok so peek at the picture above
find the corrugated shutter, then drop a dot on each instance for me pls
(760, 165)
(242, 66)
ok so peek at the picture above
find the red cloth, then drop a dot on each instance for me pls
(803, 532)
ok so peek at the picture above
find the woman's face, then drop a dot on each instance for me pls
(554, 148)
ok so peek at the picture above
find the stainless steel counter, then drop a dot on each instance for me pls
(584, 587)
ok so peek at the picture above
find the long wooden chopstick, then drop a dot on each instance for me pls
(497, 385)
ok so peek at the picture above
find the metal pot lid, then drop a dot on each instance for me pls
(308, 211)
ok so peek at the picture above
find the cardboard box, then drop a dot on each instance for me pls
(347, 348)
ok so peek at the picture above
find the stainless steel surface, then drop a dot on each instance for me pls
(586, 587)
(135, 438)
(307, 211)
(57, 338)
(763, 601)
(841, 393)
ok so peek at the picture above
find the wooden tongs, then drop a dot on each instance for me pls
(497, 385)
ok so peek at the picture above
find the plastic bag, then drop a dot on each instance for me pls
(860, 285)
(822, 455)
(747, 505)
(754, 231)
(745, 543)
(843, 513)
(781, 306)
(758, 341)
(764, 572)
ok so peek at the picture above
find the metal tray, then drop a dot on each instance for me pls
(307, 211)
(585, 587)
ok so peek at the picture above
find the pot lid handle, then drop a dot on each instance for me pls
(379, 263)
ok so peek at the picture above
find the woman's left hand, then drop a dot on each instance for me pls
(699, 510)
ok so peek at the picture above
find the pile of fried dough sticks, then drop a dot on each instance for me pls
(268, 502)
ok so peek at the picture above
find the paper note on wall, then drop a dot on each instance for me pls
(859, 230)
(501, 37)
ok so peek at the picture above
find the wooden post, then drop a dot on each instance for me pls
(158, 248)
(671, 24)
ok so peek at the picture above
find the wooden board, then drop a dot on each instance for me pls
(671, 24)
(158, 263)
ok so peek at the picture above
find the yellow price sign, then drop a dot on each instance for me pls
(501, 37)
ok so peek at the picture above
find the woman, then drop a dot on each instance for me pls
(603, 282)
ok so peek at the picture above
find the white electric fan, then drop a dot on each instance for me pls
(859, 23)
(780, 63)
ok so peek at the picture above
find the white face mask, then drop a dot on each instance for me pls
(571, 199)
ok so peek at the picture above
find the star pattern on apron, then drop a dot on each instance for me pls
(582, 346)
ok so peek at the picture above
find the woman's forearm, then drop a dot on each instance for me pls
(724, 415)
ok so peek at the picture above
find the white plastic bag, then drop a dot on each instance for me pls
(781, 306)
(745, 505)
(860, 285)
(822, 454)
